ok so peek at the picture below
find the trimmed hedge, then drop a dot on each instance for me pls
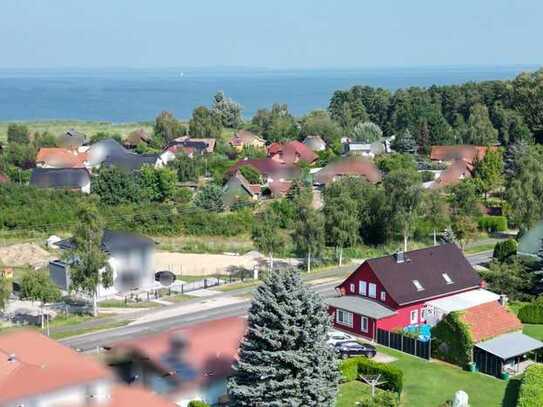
(531, 313)
(197, 403)
(493, 223)
(531, 388)
(352, 368)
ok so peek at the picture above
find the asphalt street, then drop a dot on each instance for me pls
(97, 340)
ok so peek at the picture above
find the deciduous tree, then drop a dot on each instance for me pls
(266, 235)
(308, 235)
(205, 123)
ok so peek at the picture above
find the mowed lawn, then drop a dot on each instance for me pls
(534, 330)
(428, 384)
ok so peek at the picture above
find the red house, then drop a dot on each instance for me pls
(391, 292)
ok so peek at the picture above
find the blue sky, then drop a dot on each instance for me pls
(278, 33)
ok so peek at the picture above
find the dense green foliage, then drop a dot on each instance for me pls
(5, 291)
(37, 286)
(493, 223)
(210, 198)
(205, 123)
(284, 358)
(511, 278)
(352, 368)
(531, 389)
(531, 313)
(197, 403)
(166, 128)
(276, 124)
(451, 340)
(505, 250)
(18, 133)
(227, 111)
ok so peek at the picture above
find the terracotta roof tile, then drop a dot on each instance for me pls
(135, 396)
(351, 166)
(489, 320)
(291, 151)
(61, 158)
(458, 152)
(41, 365)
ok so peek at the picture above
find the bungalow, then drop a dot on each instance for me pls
(364, 149)
(315, 143)
(291, 152)
(130, 258)
(72, 140)
(244, 138)
(270, 169)
(238, 188)
(191, 363)
(392, 292)
(110, 153)
(354, 166)
(76, 179)
(189, 146)
(37, 371)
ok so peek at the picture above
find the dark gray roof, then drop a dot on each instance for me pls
(72, 138)
(361, 306)
(130, 161)
(115, 241)
(69, 178)
(510, 345)
(427, 266)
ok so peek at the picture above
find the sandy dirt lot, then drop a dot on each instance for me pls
(201, 264)
(24, 254)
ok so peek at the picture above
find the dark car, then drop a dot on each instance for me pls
(352, 348)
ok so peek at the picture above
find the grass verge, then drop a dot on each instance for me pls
(82, 331)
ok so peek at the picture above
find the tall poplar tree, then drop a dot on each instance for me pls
(284, 359)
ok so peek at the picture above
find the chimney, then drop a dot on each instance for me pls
(400, 256)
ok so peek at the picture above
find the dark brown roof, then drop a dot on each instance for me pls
(426, 266)
(266, 166)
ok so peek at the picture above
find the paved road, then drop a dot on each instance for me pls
(96, 340)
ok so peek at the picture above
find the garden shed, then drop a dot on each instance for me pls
(507, 353)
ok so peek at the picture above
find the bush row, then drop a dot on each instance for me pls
(531, 389)
(531, 313)
(352, 368)
(493, 223)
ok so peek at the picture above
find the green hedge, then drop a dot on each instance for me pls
(531, 389)
(493, 223)
(531, 313)
(352, 368)
(197, 403)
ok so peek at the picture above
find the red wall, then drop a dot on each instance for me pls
(355, 329)
(364, 272)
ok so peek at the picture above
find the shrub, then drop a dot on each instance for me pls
(381, 399)
(391, 374)
(349, 369)
(493, 223)
(197, 403)
(452, 340)
(531, 313)
(531, 389)
(504, 250)
(352, 368)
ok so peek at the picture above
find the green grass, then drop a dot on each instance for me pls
(82, 331)
(58, 127)
(351, 392)
(206, 244)
(122, 304)
(534, 330)
(236, 286)
(486, 247)
(71, 319)
(432, 383)
(177, 298)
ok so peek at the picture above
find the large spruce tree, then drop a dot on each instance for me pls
(284, 359)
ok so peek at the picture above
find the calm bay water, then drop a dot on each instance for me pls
(138, 95)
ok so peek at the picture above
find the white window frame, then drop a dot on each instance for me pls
(347, 314)
(447, 278)
(364, 321)
(418, 285)
(383, 296)
(372, 290)
(352, 287)
(415, 313)
(363, 287)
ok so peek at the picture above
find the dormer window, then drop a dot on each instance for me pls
(447, 279)
(418, 285)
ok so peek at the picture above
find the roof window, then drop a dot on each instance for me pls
(418, 285)
(447, 279)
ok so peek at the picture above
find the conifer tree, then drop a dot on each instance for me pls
(284, 359)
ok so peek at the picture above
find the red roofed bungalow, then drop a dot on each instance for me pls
(291, 152)
(191, 363)
(392, 292)
(60, 158)
(353, 166)
(466, 152)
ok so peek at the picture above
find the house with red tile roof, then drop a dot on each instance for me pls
(270, 169)
(191, 363)
(489, 320)
(352, 166)
(37, 371)
(291, 152)
(60, 158)
(392, 292)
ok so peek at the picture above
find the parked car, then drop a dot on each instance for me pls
(335, 337)
(353, 348)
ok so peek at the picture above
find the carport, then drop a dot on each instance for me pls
(507, 353)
